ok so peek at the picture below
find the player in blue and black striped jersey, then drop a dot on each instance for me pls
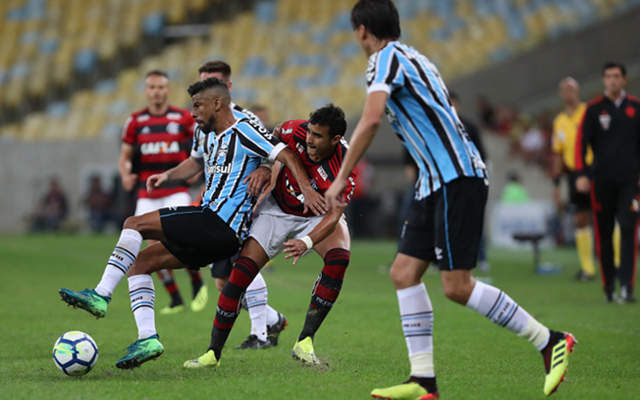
(194, 236)
(445, 220)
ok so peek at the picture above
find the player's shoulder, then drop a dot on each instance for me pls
(633, 99)
(294, 124)
(140, 115)
(595, 102)
(177, 113)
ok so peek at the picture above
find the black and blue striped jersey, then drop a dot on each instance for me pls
(420, 111)
(229, 158)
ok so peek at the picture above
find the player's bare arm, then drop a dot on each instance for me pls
(185, 170)
(128, 179)
(360, 141)
(312, 200)
(297, 247)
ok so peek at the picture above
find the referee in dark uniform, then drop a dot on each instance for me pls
(611, 126)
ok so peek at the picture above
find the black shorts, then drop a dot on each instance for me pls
(577, 201)
(197, 236)
(222, 269)
(447, 225)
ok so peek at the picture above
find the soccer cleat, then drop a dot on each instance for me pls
(556, 359)
(582, 276)
(168, 310)
(303, 351)
(408, 390)
(253, 343)
(88, 300)
(141, 351)
(626, 295)
(208, 360)
(273, 332)
(200, 299)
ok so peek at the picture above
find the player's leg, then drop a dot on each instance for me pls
(136, 229)
(603, 205)
(459, 221)
(415, 253)
(153, 258)
(581, 204)
(169, 282)
(627, 216)
(335, 252)
(252, 258)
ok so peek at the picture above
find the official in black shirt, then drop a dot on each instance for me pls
(611, 126)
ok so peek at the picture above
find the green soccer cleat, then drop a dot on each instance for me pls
(141, 351)
(168, 310)
(556, 359)
(88, 300)
(208, 360)
(200, 299)
(405, 391)
(303, 351)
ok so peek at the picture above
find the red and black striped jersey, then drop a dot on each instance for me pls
(161, 142)
(287, 191)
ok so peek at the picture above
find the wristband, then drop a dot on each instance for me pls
(308, 242)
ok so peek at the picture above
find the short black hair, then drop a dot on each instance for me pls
(614, 64)
(211, 67)
(330, 116)
(156, 72)
(380, 17)
(206, 84)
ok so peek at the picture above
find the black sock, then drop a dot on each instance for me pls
(428, 383)
(325, 291)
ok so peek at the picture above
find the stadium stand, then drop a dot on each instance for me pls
(273, 47)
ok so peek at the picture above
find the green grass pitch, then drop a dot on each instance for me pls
(361, 341)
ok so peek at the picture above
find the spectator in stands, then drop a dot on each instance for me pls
(52, 209)
(514, 192)
(100, 205)
(486, 113)
(531, 140)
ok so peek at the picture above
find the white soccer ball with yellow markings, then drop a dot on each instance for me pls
(75, 353)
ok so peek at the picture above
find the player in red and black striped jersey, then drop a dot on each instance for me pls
(280, 224)
(155, 139)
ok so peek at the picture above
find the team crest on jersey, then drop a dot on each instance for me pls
(222, 151)
(630, 111)
(173, 128)
(605, 120)
(175, 116)
(391, 116)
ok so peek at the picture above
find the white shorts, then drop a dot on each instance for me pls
(144, 206)
(271, 226)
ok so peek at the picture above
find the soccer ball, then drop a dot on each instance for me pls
(75, 353)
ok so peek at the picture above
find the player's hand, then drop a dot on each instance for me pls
(294, 248)
(333, 195)
(257, 180)
(314, 201)
(129, 181)
(583, 185)
(156, 180)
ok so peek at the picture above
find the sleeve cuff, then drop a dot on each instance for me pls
(195, 154)
(275, 151)
(379, 87)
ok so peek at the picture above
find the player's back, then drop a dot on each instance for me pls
(420, 111)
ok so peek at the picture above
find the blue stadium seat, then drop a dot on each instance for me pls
(153, 24)
(85, 60)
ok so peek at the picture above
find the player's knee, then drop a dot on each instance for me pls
(457, 291)
(132, 223)
(402, 277)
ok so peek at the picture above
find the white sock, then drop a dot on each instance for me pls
(504, 311)
(143, 297)
(256, 297)
(121, 259)
(272, 316)
(417, 324)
